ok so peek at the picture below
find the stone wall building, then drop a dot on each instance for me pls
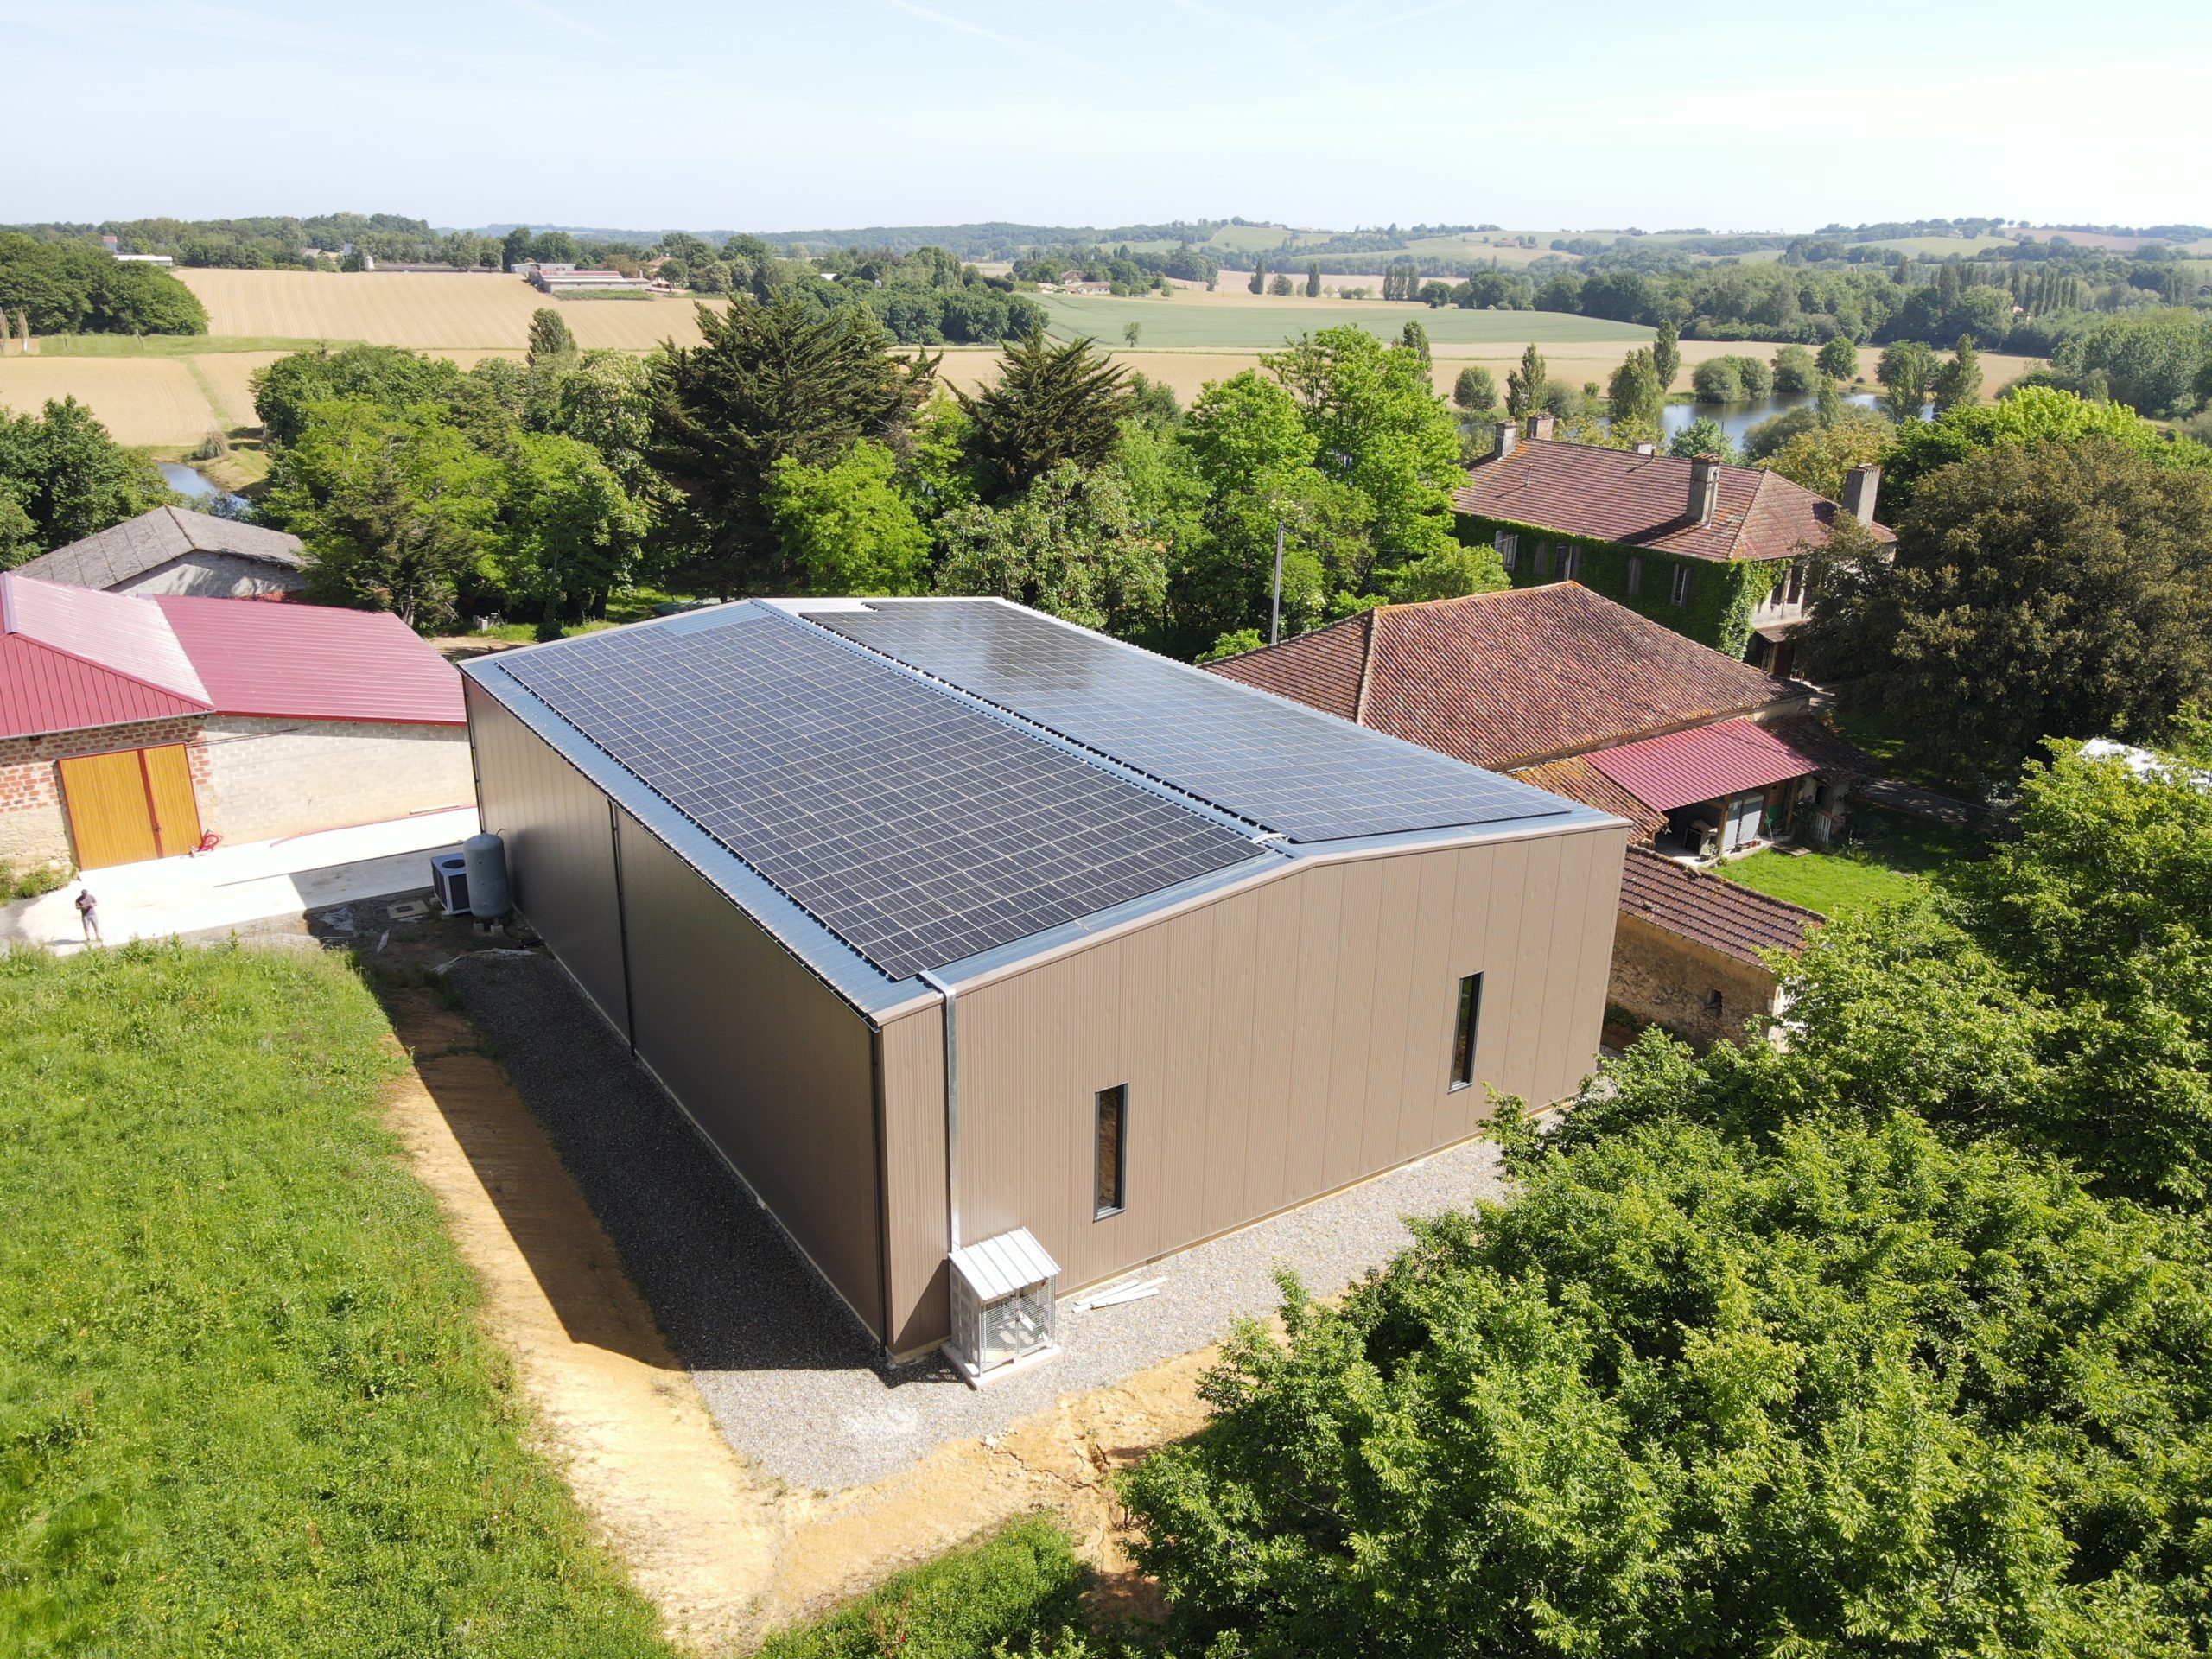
(176, 550)
(1687, 953)
(133, 728)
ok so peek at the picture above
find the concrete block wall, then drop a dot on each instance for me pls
(34, 819)
(1666, 980)
(271, 778)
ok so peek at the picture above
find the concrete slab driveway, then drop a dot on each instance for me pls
(236, 887)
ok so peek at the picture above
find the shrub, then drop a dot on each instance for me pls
(1717, 380)
(1794, 369)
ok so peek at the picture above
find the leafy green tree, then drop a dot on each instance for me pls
(399, 509)
(1313, 280)
(62, 478)
(1821, 458)
(1907, 373)
(285, 390)
(1793, 369)
(771, 380)
(1050, 405)
(1702, 437)
(2149, 360)
(1852, 1390)
(1634, 393)
(71, 288)
(572, 531)
(1667, 354)
(1958, 383)
(1717, 380)
(1838, 358)
(1279, 284)
(1475, 392)
(549, 339)
(1525, 387)
(2052, 590)
(848, 527)
(1453, 573)
(1414, 338)
(1259, 284)
(2025, 415)
(1380, 429)
(1232, 645)
(1768, 436)
(1068, 545)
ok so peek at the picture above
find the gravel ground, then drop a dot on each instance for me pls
(791, 1377)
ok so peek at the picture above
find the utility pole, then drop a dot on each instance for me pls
(1274, 615)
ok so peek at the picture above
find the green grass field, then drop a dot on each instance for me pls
(1888, 855)
(244, 1405)
(1191, 325)
(166, 345)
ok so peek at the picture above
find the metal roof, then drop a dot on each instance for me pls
(313, 662)
(77, 658)
(998, 1267)
(1706, 764)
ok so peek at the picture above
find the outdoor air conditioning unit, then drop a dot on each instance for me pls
(1003, 1304)
(449, 875)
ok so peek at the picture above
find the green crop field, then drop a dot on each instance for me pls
(245, 1406)
(1210, 325)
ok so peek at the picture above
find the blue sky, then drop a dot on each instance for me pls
(1531, 115)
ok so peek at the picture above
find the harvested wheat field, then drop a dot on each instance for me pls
(140, 400)
(424, 309)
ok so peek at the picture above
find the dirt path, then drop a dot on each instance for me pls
(726, 1552)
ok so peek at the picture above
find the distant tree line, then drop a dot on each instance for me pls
(69, 288)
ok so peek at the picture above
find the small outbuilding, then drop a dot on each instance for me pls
(176, 550)
(996, 956)
(135, 729)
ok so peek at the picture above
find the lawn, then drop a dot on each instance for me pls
(244, 1404)
(1887, 857)
(1200, 325)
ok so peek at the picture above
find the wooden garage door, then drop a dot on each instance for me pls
(131, 804)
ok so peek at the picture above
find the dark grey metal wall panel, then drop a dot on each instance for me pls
(560, 847)
(770, 1063)
(1308, 775)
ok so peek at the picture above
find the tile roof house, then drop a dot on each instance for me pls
(1712, 551)
(1567, 690)
(176, 550)
(131, 728)
(1687, 952)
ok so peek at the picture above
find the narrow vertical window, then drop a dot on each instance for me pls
(1509, 547)
(1570, 562)
(1464, 1030)
(1113, 1150)
(1543, 560)
(1682, 584)
(1634, 574)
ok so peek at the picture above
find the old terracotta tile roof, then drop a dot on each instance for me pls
(1710, 910)
(1577, 779)
(1837, 753)
(1510, 679)
(1638, 500)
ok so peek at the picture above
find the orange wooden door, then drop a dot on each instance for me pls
(168, 786)
(108, 810)
(131, 804)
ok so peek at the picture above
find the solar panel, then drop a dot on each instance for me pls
(1306, 774)
(917, 827)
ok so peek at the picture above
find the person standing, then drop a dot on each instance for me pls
(88, 912)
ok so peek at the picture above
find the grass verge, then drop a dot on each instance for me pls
(1888, 855)
(168, 345)
(1018, 1587)
(244, 1404)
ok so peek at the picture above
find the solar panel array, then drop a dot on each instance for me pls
(1306, 774)
(917, 829)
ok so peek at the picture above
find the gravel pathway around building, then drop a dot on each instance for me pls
(791, 1377)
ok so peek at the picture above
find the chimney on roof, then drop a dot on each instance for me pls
(1647, 448)
(1508, 435)
(1705, 488)
(1860, 486)
(1542, 426)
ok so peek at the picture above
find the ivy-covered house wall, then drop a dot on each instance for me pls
(1716, 611)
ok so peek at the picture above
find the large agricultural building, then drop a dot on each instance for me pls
(992, 953)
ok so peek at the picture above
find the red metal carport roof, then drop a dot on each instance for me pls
(311, 661)
(1706, 763)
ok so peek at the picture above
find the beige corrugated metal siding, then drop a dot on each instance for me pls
(1281, 1041)
(771, 1064)
(912, 1065)
(560, 842)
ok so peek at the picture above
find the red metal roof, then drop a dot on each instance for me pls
(71, 657)
(311, 661)
(1705, 764)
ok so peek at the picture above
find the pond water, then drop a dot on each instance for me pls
(1736, 419)
(204, 494)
